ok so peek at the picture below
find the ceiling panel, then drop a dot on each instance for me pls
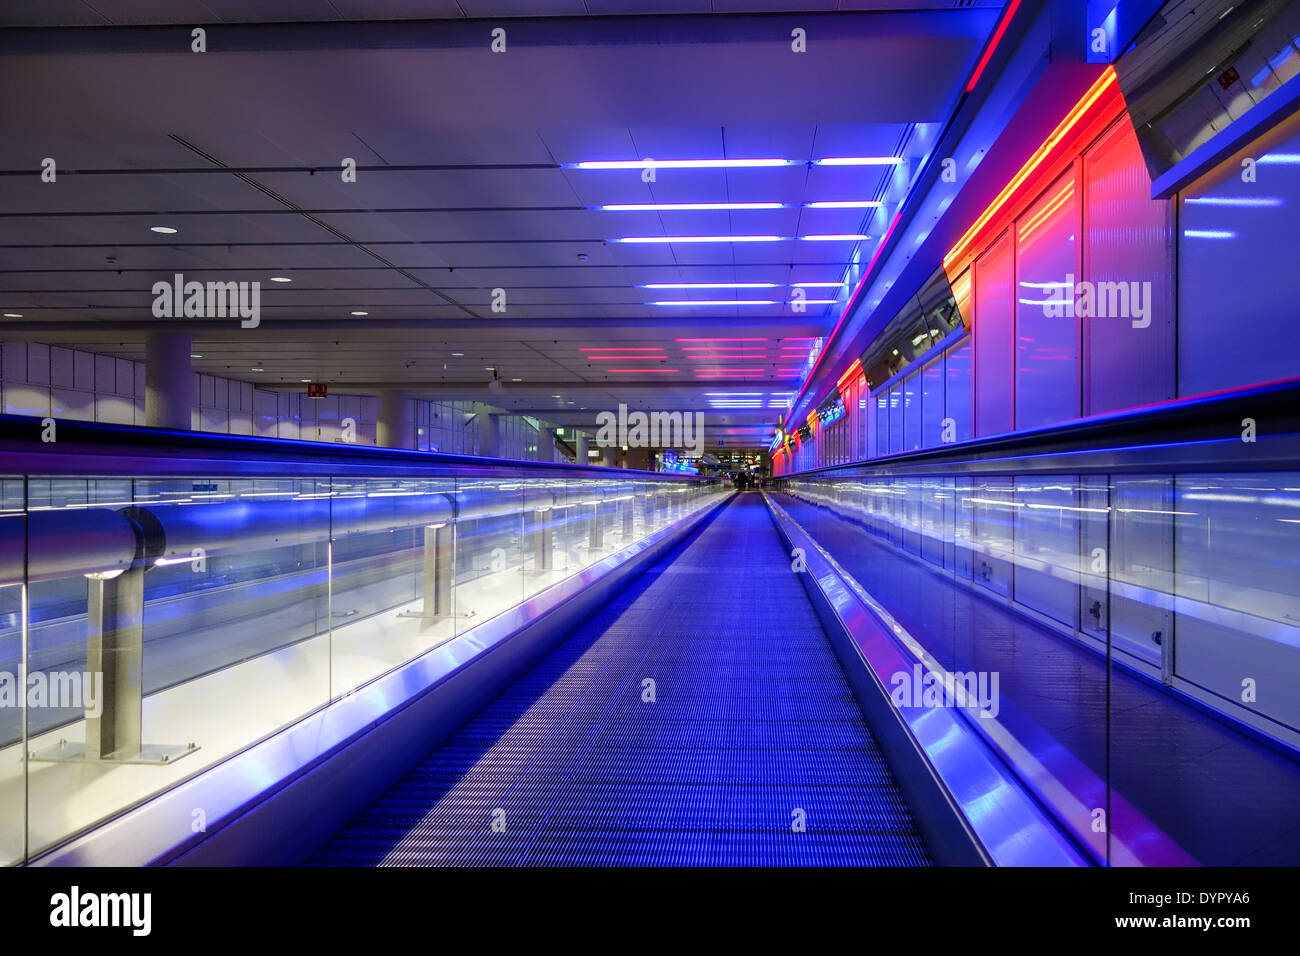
(421, 250)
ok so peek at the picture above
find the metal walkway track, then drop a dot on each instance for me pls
(751, 723)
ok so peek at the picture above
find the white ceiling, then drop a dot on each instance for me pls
(222, 147)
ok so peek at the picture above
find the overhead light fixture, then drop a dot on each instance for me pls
(257, 369)
(686, 206)
(13, 315)
(812, 301)
(846, 204)
(165, 230)
(280, 279)
(818, 285)
(195, 355)
(708, 285)
(837, 237)
(859, 161)
(306, 380)
(699, 239)
(714, 302)
(638, 370)
(677, 164)
(516, 380)
(457, 354)
(360, 313)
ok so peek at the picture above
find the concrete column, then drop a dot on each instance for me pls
(580, 443)
(396, 425)
(168, 381)
(546, 443)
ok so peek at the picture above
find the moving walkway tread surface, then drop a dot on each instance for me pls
(751, 723)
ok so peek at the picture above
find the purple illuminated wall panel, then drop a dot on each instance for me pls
(1238, 280)
(957, 403)
(1128, 245)
(932, 403)
(1047, 328)
(896, 419)
(880, 434)
(994, 368)
(912, 412)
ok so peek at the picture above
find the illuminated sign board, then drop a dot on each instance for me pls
(831, 410)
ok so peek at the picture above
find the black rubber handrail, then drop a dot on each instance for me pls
(95, 449)
(1186, 433)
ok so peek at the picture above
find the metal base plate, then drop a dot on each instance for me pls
(437, 617)
(151, 754)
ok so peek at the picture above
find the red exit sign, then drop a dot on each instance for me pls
(317, 390)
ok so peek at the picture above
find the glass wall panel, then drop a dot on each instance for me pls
(932, 410)
(957, 391)
(1129, 356)
(1245, 230)
(13, 699)
(152, 627)
(1121, 584)
(1047, 323)
(911, 390)
(1236, 540)
(1047, 547)
(896, 417)
(994, 358)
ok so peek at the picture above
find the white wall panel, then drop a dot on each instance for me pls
(38, 364)
(23, 399)
(62, 373)
(83, 376)
(114, 410)
(69, 403)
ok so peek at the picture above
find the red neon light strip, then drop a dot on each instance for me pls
(1040, 156)
(854, 369)
(848, 308)
(993, 44)
(1093, 94)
